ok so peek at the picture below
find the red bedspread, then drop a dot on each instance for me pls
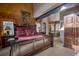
(24, 33)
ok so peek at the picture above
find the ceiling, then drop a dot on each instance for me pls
(41, 8)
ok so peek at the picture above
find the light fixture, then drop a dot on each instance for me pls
(63, 8)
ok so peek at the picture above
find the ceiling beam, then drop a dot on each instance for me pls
(50, 12)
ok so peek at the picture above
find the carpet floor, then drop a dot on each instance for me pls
(57, 50)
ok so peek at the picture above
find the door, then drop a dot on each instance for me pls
(77, 31)
(71, 27)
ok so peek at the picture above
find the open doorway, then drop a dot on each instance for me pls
(54, 28)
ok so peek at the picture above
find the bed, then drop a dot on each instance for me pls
(29, 42)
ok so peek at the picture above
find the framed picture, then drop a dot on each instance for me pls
(8, 27)
(25, 17)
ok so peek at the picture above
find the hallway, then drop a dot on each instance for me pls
(57, 42)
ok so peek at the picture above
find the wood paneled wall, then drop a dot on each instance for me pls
(9, 10)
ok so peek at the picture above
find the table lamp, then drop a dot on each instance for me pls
(8, 30)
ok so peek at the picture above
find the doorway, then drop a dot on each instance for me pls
(54, 28)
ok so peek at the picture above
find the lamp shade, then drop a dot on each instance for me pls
(7, 28)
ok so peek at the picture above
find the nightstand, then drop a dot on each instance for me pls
(5, 41)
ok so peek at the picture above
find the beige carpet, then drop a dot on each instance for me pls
(57, 50)
(5, 51)
(57, 42)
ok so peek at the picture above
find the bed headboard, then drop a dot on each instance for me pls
(25, 31)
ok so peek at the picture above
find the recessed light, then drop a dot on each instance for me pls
(63, 8)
